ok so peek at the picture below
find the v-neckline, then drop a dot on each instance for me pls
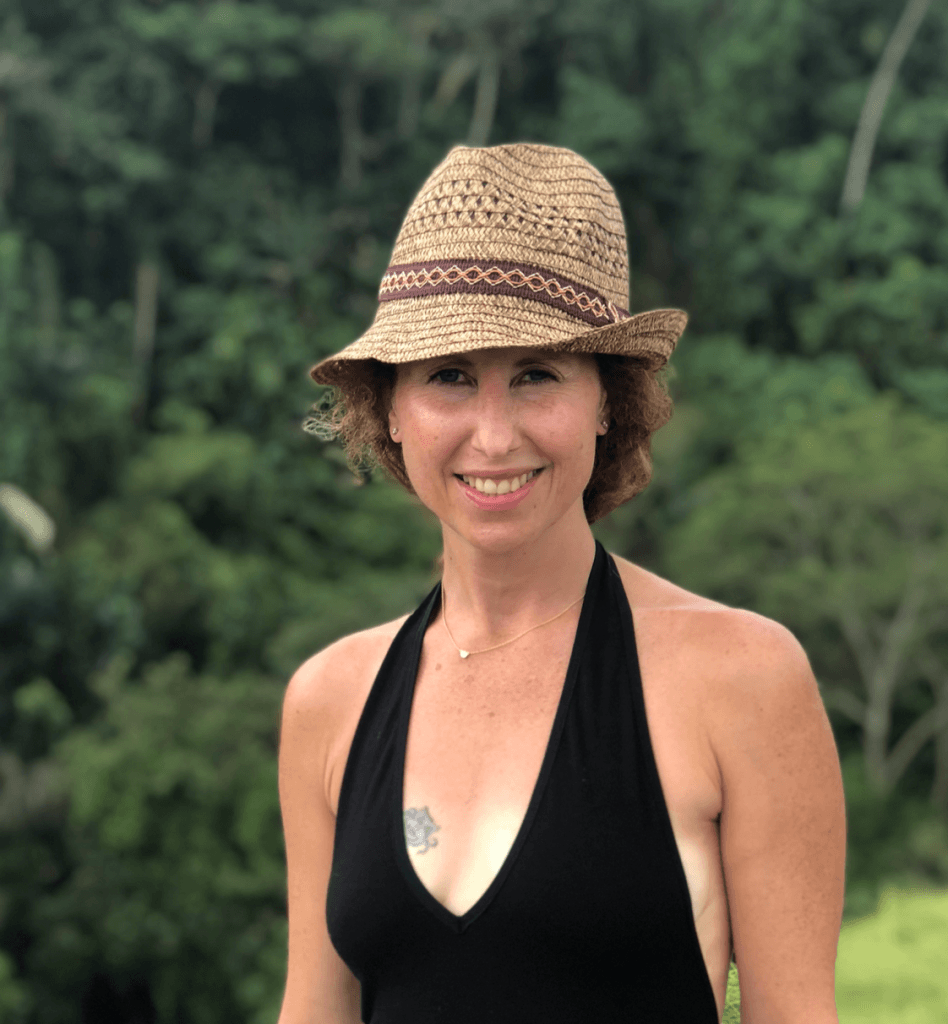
(459, 922)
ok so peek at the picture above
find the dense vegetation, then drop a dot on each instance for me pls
(197, 201)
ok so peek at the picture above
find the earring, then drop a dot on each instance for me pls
(394, 431)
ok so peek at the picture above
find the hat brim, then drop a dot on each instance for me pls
(426, 327)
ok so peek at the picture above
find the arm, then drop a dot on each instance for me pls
(320, 988)
(783, 825)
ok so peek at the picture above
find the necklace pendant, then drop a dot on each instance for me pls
(464, 654)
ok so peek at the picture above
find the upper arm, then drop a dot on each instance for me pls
(783, 826)
(320, 988)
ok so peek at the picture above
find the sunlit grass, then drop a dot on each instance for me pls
(732, 999)
(892, 966)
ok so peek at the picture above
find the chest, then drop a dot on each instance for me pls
(474, 753)
(477, 737)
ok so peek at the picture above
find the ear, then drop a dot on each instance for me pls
(603, 414)
(393, 423)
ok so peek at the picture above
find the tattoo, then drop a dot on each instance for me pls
(418, 826)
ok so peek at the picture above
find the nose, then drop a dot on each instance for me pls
(496, 418)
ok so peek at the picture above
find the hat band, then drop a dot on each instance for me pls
(447, 277)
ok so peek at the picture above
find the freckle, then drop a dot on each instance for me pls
(438, 667)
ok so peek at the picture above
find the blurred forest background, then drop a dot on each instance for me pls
(197, 202)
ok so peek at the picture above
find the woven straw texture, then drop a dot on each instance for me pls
(518, 244)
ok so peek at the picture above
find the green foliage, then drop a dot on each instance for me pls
(890, 966)
(889, 962)
(891, 840)
(244, 168)
(814, 516)
(591, 108)
(174, 824)
(732, 998)
(837, 525)
(14, 998)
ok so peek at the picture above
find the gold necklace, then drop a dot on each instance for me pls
(464, 654)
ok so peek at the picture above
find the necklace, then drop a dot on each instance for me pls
(465, 654)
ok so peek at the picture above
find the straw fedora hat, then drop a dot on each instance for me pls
(519, 244)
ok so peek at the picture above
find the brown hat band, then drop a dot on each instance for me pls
(445, 277)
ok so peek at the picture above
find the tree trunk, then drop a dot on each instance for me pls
(939, 793)
(453, 79)
(205, 105)
(409, 107)
(485, 99)
(47, 294)
(349, 99)
(864, 141)
(6, 153)
(882, 660)
(938, 680)
(146, 315)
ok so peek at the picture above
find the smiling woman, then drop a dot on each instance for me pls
(355, 412)
(493, 426)
(576, 799)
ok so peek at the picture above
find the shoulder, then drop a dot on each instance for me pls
(318, 685)
(321, 694)
(734, 637)
(749, 668)
(325, 685)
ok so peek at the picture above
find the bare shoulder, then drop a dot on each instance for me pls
(740, 660)
(323, 691)
(750, 684)
(731, 635)
(327, 677)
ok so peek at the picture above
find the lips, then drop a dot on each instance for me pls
(491, 502)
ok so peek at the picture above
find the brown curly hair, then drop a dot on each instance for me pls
(356, 412)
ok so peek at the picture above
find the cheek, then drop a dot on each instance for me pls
(575, 433)
(425, 449)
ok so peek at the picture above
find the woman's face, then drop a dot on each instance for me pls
(498, 414)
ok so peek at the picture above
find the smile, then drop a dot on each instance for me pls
(499, 486)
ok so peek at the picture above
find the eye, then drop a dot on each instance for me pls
(437, 376)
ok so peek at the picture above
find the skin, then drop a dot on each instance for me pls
(504, 571)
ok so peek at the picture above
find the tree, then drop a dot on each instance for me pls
(840, 523)
(198, 201)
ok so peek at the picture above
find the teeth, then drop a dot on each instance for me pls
(499, 486)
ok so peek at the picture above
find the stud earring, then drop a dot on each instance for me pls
(394, 431)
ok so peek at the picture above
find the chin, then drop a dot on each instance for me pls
(498, 538)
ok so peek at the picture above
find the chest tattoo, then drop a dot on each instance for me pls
(418, 827)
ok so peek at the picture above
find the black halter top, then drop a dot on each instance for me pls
(588, 919)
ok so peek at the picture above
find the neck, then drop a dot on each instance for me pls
(494, 593)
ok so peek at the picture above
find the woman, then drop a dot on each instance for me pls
(562, 789)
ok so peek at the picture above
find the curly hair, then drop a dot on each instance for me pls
(356, 412)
